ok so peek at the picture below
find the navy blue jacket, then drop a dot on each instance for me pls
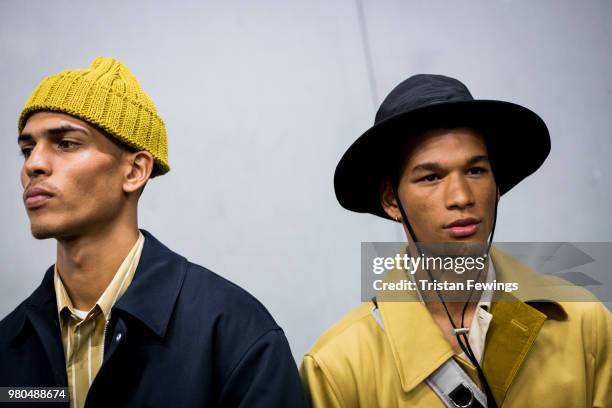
(189, 338)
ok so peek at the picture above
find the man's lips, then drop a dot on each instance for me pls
(463, 227)
(36, 197)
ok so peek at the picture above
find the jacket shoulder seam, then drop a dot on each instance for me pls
(328, 378)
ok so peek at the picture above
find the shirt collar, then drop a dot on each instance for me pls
(122, 279)
(481, 319)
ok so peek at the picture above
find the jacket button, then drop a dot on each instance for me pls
(118, 337)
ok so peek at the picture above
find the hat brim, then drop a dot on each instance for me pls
(517, 140)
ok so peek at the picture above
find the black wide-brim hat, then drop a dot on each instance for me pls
(517, 139)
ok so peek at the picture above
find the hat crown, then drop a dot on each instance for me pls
(419, 91)
(115, 76)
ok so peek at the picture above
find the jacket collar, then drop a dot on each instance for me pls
(150, 297)
(535, 289)
(156, 285)
(416, 341)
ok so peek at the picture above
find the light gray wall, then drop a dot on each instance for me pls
(261, 98)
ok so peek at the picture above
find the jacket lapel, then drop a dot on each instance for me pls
(512, 332)
(517, 320)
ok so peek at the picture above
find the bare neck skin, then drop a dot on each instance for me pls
(87, 263)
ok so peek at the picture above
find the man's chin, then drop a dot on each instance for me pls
(45, 231)
(60, 229)
(42, 234)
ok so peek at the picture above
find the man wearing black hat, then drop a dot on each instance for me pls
(437, 161)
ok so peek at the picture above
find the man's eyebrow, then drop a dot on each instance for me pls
(24, 138)
(432, 166)
(476, 159)
(55, 131)
(427, 167)
(65, 129)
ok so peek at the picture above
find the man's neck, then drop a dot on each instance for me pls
(454, 300)
(455, 309)
(88, 263)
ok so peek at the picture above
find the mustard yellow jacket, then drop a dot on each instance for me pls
(537, 353)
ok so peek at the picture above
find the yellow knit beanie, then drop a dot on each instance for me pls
(107, 95)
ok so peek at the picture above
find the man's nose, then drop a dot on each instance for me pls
(38, 162)
(459, 194)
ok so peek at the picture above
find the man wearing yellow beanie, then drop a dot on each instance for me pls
(121, 320)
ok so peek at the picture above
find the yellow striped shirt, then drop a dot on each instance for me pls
(83, 331)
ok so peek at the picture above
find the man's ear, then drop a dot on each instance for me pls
(140, 167)
(388, 201)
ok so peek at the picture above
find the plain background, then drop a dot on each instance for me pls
(261, 98)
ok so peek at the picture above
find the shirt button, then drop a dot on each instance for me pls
(118, 337)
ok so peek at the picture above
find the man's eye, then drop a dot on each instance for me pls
(429, 178)
(477, 170)
(67, 144)
(25, 152)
